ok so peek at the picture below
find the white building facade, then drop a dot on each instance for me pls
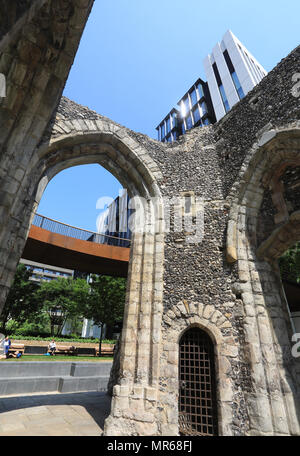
(231, 72)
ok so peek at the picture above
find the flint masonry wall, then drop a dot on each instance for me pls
(198, 280)
(200, 285)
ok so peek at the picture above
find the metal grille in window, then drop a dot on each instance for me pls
(197, 391)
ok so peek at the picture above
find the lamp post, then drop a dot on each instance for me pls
(56, 317)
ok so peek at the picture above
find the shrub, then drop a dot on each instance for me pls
(48, 337)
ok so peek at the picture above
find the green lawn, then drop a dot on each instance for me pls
(59, 358)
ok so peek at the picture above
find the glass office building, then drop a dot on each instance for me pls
(231, 72)
(195, 110)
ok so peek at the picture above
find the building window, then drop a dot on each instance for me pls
(228, 61)
(189, 122)
(206, 122)
(174, 120)
(200, 91)
(224, 98)
(234, 76)
(196, 115)
(203, 108)
(168, 125)
(162, 131)
(193, 96)
(186, 103)
(221, 88)
(237, 85)
(217, 74)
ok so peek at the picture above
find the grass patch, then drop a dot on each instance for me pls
(59, 358)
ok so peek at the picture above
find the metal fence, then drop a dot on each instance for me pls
(78, 233)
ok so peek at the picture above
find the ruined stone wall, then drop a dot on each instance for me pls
(198, 275)
(36, 54)
(201, 287)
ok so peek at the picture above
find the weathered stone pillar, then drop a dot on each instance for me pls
(134, 403)
(273, 402)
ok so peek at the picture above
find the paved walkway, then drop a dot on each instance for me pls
(54, 414)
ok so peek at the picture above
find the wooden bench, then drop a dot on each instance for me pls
(106, 350)
(16, 347)
(85, 351)
(64, 350)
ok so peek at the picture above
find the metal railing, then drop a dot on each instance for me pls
(78, 233)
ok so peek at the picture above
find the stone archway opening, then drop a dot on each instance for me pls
(289, 266)
(54, 249)
(197, 402)
(137, 380)
(263, 224)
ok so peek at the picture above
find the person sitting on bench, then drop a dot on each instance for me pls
(52, 347)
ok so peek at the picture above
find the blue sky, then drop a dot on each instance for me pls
(137, 58)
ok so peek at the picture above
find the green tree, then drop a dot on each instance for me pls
(289, 264)
(63, 299)
(21, 303)
(106, 302)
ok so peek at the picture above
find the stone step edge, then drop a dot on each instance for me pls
(6, 379)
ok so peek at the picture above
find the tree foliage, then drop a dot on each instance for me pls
(33, 305)
(289, 264)
(21, 303)
(63, 299)
(106, 301)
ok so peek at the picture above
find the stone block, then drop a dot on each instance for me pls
(208, 312)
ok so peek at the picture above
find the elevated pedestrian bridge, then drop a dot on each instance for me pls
(58, 244)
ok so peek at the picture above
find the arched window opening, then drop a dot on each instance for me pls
(289, 264)
(197, 384)
(57, 273)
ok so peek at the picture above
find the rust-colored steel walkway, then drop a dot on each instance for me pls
(57, 244)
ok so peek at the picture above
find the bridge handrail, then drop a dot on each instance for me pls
(48, 227)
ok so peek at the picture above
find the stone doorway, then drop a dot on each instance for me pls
(197, 384)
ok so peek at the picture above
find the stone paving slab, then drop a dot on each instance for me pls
(54, 414)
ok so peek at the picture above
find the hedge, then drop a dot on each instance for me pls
(61, 339)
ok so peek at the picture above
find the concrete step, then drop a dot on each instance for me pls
(96, 369)
(25, 369)
(67, 384)
(21, 377)
(34, 368)
(16, 385)
(72, 384)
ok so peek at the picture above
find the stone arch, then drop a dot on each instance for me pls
(131, 164)
(182, 317)
(193, 363)
(267, 327)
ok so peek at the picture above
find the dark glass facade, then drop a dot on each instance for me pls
(195, 109)
(170, 128)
